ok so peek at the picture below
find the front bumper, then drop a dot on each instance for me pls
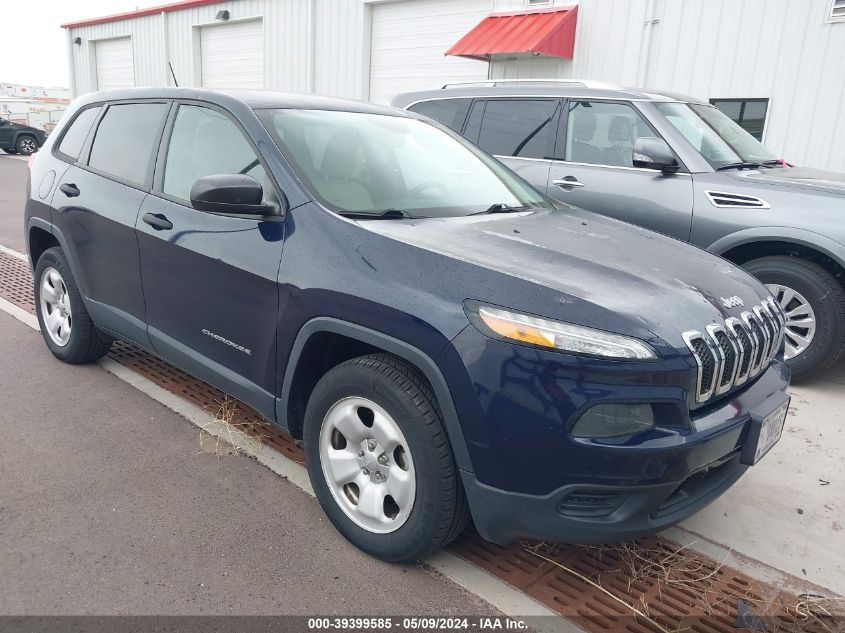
(531, 478)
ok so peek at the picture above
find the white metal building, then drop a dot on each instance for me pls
(774, 65)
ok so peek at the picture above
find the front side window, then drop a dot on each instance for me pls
(718, 139)
(76, 134)
(363, 163)
(517, 128)
(205, 142)
(125, 140)
(602, 133)
(449, 112)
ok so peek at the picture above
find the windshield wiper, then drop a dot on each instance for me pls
(738, 166)
(773, 162)
(500, 207)
(387, 214)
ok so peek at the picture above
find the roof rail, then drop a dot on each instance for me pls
(579, 83)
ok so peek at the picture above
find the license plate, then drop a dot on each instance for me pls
(766, 432)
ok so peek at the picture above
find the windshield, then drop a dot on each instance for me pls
(366, 164)
(716, 137)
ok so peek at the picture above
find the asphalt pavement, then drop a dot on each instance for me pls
(110, 504)
(13, 172)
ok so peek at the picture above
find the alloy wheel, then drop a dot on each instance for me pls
(55, 307)
(27, 145)
(800, 325)
(367, 465)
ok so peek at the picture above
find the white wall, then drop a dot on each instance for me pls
(783, 50)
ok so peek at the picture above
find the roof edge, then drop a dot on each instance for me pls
(140, 13)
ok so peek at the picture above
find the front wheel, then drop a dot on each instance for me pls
(379, 459)
(65, 325)
(814, 303)
(26, 145)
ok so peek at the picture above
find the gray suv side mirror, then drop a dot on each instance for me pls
(237, 194)
(654, 153)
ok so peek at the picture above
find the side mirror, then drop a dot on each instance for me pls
(3, 122)
(654, 153)
(230, 193)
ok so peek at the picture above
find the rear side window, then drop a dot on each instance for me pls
(74, 138)
(205, 142)
(449, 112)
(126, 140)
(518, 128)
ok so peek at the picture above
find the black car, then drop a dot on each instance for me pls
(20, 139)
(448, 342)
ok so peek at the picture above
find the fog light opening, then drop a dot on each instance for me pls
(614, 420)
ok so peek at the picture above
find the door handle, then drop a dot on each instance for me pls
(570, 182)
(158, 221)
(69, 189)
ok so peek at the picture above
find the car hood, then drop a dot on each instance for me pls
(804, 177)
(585, 269)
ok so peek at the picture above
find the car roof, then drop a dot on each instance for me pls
(572, 88)
(255, 99)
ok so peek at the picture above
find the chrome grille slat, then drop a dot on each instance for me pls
(730, 355)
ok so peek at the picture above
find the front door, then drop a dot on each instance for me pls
(5, 133)
(210, 280)
(595, 141)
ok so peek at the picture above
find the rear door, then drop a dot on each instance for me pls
(97, 203)
(5, 133)
(518, 131)
(210, 280)
(595, 142)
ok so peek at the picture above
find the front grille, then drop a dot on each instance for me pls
(727, 356)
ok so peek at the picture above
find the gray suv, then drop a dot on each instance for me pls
(679, 166)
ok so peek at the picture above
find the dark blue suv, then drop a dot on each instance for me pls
(449, 343)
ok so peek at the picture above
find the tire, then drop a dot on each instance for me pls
(26, 145)
(369, 388)
(824, 295)
(78, 340)
(10, 150)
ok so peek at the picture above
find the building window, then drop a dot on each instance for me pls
(837, 11)
(750, 114)
(538, 3)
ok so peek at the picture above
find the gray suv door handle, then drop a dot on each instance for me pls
(569, 182)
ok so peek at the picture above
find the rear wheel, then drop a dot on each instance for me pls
(379, 459)
(26, 145)
(814, 303)
(65, 325)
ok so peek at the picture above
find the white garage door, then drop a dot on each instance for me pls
(233, 55)
(115, 64)
(409, 39)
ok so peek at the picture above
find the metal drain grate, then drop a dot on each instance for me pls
(672, 589)
(16, 282)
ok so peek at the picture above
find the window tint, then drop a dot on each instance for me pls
(126, 140)
(749, 114)
(76, 134)
(205, 142)
(450, 112)
(517, 128)
(600, 133)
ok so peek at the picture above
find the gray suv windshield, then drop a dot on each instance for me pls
(370, 164)
(716, 137)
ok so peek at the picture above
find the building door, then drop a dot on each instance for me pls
(232, 55)
(409, 40)
(115, 63)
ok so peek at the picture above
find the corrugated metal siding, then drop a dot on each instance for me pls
(782, 50)
(147, 50)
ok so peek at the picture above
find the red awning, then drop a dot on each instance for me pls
(548, 32)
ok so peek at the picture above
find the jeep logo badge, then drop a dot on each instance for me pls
(732, 302)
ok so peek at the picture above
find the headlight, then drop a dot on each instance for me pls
(576, 339)
(614, 420)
